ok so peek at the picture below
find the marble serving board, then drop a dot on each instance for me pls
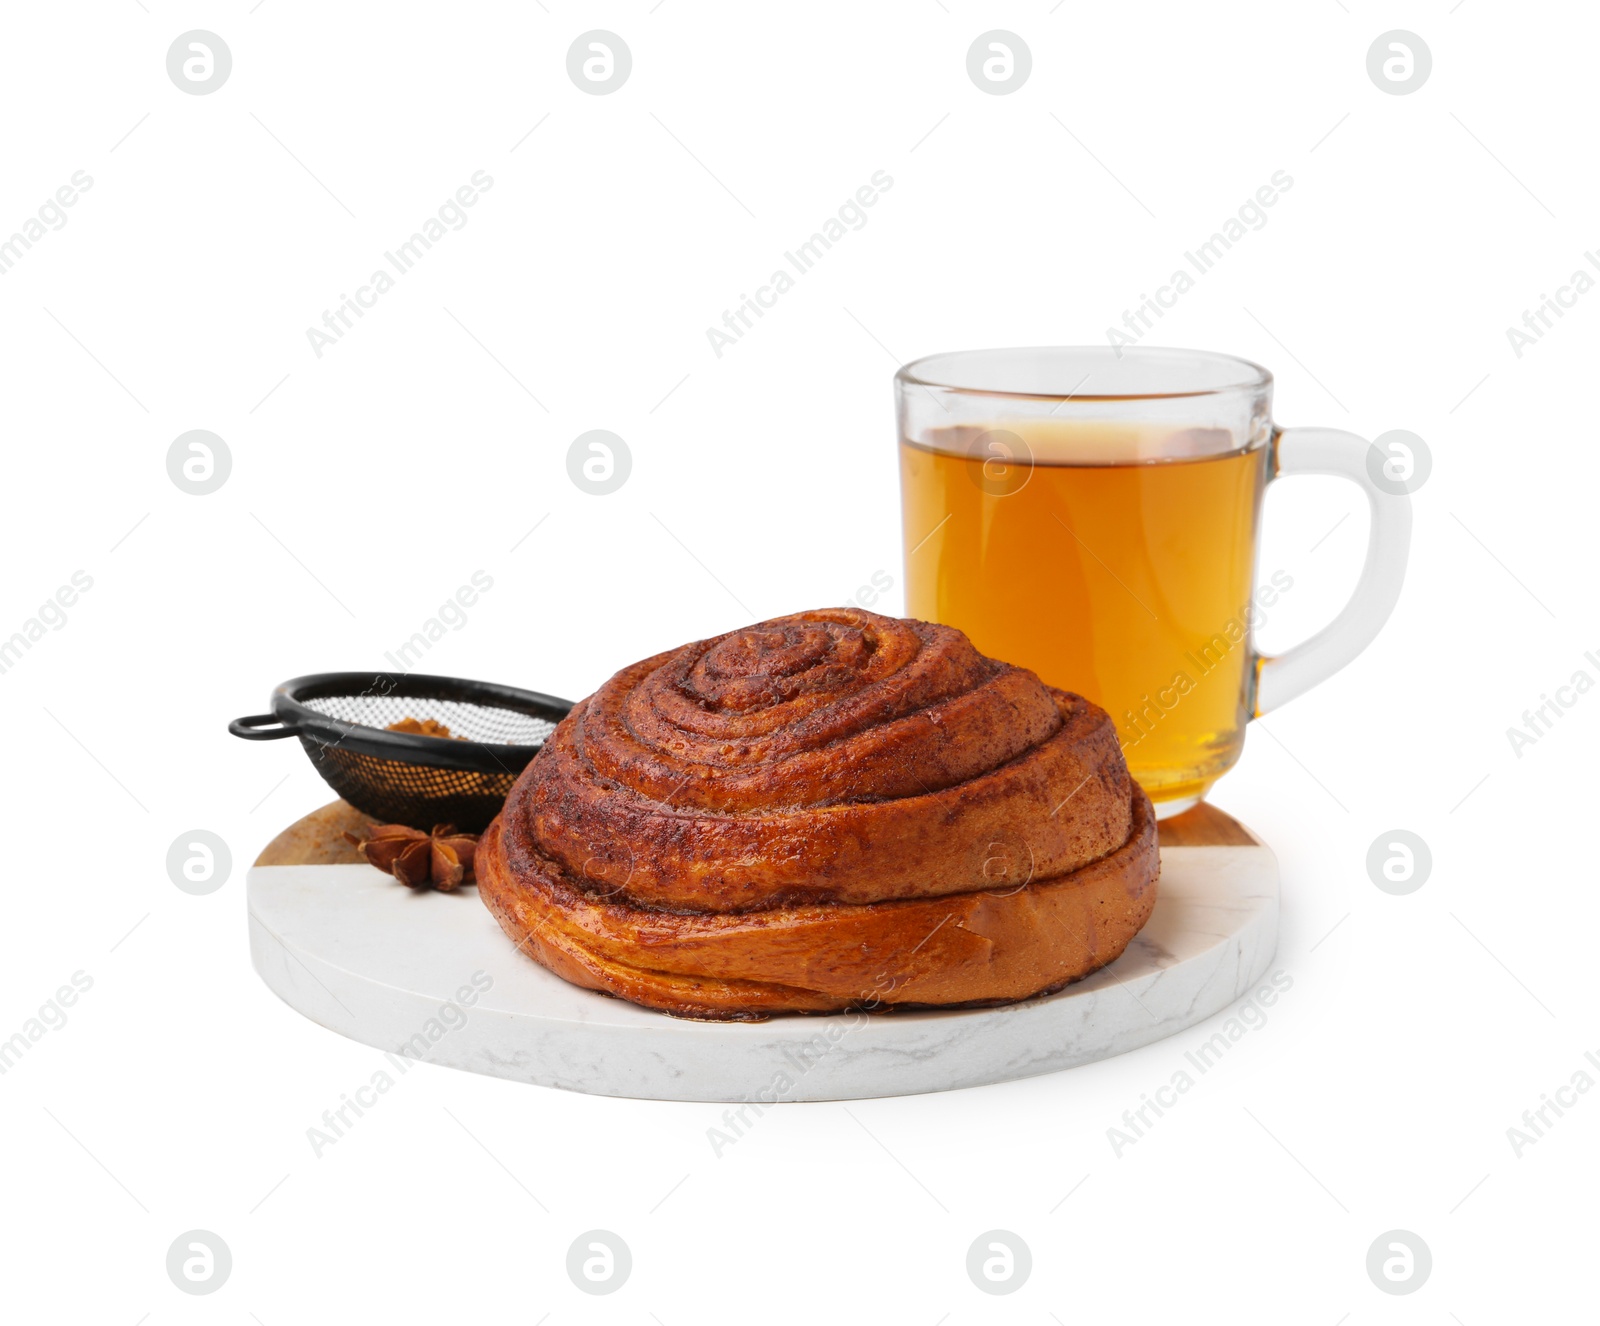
(431, 976)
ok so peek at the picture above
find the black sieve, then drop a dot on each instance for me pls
(342, 718)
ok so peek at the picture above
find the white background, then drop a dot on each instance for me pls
(369, 483)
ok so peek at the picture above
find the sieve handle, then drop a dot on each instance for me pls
(257, 727)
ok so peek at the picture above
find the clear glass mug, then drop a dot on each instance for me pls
(1093, 514)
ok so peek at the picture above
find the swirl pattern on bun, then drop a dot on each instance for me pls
(825, 810)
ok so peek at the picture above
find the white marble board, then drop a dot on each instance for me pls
(368, 958)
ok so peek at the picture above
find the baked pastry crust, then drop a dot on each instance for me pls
(828, 810)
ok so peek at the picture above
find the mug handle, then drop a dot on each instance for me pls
(1281, 677)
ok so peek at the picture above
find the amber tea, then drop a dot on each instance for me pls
(1112, 562)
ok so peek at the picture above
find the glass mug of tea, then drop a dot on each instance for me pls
(1093, 514)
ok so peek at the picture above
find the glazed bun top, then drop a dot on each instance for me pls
(833, 755)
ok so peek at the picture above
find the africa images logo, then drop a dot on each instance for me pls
(852, 213)
(403, 258)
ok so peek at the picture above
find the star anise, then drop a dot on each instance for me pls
(441, 859)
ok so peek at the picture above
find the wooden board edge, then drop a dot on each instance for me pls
(317, 839)
(1205, 826)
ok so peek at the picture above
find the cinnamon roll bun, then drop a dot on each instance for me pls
(828, 810)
